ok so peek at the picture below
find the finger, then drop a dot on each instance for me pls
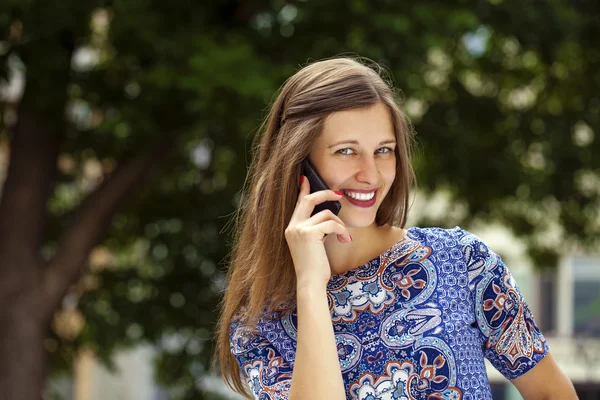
(304, 189)
(327, 215)
(308, 202)
(304, 185)
(330, 226)
(323, 216)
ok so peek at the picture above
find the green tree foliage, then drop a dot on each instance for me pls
(503, 96)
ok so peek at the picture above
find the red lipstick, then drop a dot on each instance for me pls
(362, 203)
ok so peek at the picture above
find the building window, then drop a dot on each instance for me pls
(586, 296)
(545, 317)
(586, 391)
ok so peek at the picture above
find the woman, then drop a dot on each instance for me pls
(353, 305)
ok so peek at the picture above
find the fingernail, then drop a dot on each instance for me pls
(338, 192)
(301, 179)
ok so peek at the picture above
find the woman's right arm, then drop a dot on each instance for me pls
(317, 373)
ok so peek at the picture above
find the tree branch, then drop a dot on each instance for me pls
(93, 220)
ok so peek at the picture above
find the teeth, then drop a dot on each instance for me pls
(360, 196)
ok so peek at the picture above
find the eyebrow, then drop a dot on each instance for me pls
(356, 142)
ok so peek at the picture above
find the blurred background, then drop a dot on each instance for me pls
(125, 131)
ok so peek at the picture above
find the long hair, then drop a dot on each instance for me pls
(261, 276)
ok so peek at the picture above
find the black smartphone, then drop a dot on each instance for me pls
(317, 183)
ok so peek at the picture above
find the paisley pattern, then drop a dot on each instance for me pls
(268, 375)
(414, 323)
(512, 340)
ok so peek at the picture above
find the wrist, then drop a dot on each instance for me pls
(310, 288)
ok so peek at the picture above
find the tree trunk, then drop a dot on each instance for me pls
(32, 288)
(24, 328)
(23, 368)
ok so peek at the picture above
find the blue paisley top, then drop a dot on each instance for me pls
(414, 323)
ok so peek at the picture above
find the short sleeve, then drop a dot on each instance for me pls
(511, 340)
(267, 374)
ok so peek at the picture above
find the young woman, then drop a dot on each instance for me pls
(354, 305)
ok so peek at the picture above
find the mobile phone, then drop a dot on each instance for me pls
(317, 183)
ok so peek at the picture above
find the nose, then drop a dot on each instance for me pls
(367, 170)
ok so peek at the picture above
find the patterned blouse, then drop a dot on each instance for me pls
(414, 323)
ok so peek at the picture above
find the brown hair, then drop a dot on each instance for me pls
(261, 276)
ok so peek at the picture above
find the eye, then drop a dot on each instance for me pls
(343, 151)
(388, 150)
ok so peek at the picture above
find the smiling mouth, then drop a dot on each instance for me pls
(360, 196)
(363, 200)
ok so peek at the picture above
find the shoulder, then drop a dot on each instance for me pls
(456, 236)
(458, 245)
(245, 336)
(243, 339)
(429, 235)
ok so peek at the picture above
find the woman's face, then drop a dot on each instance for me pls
(356, 154)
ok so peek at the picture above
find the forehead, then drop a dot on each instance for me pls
(367, 124)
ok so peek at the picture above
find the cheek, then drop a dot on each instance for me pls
(388, 175)
(334, 175)
(389, 172)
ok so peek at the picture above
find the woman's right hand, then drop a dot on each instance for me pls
(305, 236)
